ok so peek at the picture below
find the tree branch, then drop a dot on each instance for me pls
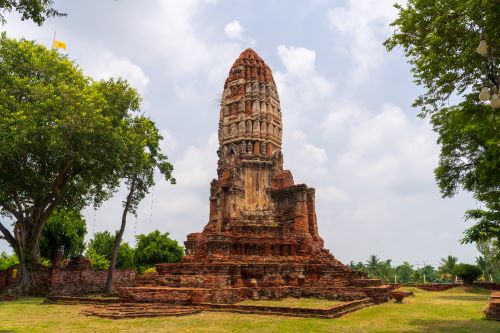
(18, 204)
(10, 209)
(8, 237)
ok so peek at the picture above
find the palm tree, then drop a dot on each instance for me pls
(448, 265)
(485, 267)
(372, 264)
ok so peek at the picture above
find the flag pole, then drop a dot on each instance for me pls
(53, 39)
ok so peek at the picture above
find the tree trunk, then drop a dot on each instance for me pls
(118, 238)
(28, 235)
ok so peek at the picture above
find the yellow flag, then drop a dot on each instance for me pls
(57, 44)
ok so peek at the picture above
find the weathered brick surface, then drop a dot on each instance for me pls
(493, 309)
(135, 310)
(261, 239)
(76, 278)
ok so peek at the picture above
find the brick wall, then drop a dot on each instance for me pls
(69, 280)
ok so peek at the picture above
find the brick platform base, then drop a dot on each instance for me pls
(135, 310)
(493, 309)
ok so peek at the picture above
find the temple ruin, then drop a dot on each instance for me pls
(262, 239)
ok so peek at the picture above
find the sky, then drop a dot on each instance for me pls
(348, 126)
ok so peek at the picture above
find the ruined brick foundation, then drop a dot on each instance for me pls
(262, 239)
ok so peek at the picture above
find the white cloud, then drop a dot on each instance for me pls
(297, 60)
(363, 25)
(105, 65)
(234, 30)
(389, 151)
(307, 161)
(302, 89)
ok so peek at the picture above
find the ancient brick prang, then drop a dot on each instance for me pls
(262, 239)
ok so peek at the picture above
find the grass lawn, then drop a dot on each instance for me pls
(454, 310)
(308, 303)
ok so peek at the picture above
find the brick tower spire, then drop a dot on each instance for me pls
(261, 239)
(250, 115)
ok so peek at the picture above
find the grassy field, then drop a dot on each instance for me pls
(455, 310)
(308, 303)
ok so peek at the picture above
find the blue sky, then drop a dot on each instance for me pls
(349, 129)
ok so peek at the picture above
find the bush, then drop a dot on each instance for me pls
(7, 261)
(97, 261)
(468, 273)
(151, 270)
(102, 244)
(65, 229)
(155, 248)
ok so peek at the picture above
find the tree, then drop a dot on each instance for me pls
(96, 260)
(469, 136)
(404, 272)
(35, 10)
(60, 142)
(144, 158)
(155, 248)
(447, 266)
(65, 229)
(359, 266)
(490, 255)
(468, 273)
(484, 266)
(386, 272)
(7, 261)
(440, 40)
(372, 265)
(100, 249)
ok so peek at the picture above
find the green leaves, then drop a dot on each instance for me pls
(99, 251)
(64, 229)
(35, 10)
(155, 248)
(469, 135)
(439, 40)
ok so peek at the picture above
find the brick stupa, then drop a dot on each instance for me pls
(261, 240)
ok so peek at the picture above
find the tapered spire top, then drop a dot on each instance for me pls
(250, 66)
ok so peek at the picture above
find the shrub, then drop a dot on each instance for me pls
(7, 261)
(155, 248)
(468, 273)
(98, 261)
(151, 270)
(102, 244)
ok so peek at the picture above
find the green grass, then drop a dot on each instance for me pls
(455, 310)
(308, 303)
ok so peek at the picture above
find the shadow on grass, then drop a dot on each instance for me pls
(438, 325)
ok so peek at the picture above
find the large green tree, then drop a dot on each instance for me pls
(144, 157)
(440, 41)
(35, 10)
(64, 231)
(155, 248)
(61, 142)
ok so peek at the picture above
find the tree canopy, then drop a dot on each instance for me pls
(65, 230)
(36, 10)
(100, 248)
(440, 40)
(61, 140)
(155, 248)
